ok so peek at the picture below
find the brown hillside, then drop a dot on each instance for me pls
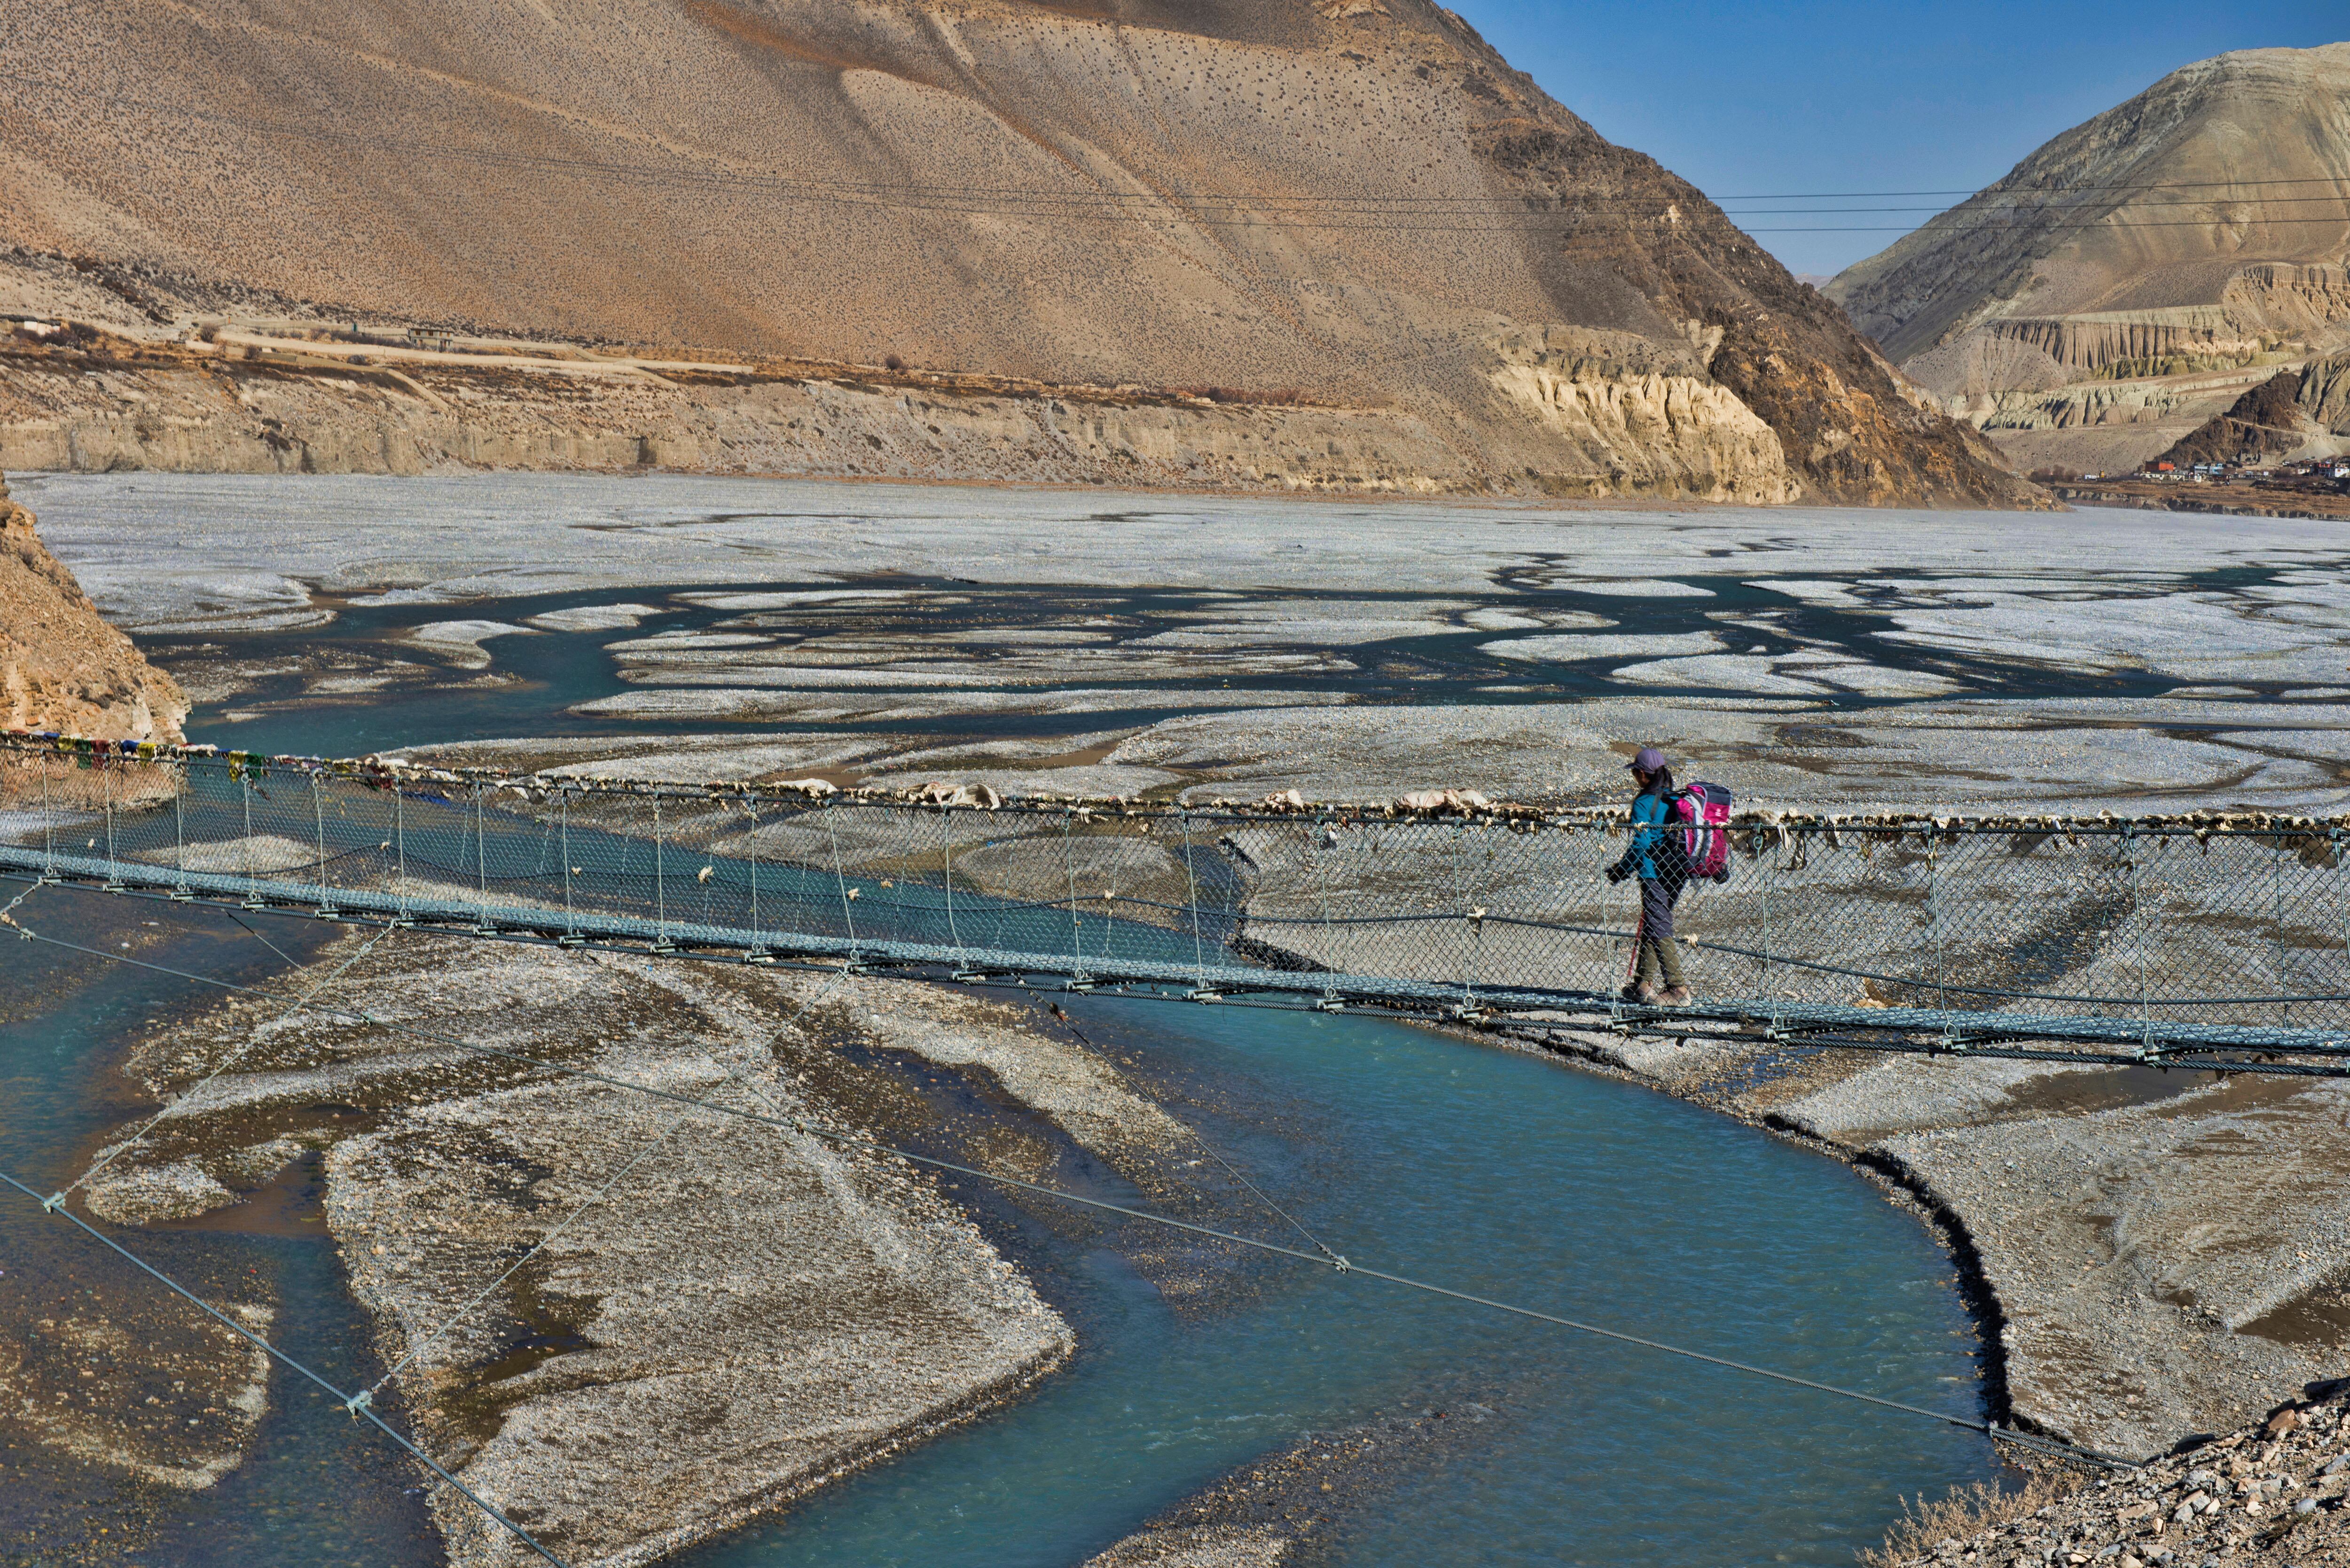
(2206, 210)
(2301, 412)
(1350, 203)
(2263, 424)
(62, 667)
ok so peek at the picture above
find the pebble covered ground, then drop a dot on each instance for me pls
(1264, 1511)
(1223, 646)
(2272, 1493)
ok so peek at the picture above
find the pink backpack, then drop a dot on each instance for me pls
(1700, 815)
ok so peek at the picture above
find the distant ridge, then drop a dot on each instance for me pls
(2137, 273)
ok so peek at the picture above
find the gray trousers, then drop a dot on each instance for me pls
(1658, 952)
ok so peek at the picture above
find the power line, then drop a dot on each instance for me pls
(1994, 189)
(1196, 208)
(1112, 206)
(2045, 207)
(1944, 229)
(2051, 1447)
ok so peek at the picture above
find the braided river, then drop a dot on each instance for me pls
(1489, 1171)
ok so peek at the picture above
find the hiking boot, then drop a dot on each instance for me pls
(1642, 992)
(1675, 996)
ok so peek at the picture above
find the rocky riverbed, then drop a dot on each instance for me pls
(1265, 1512)
(2272, 1493)
(2159, 1256)
(630, 1321)
(1141, 643)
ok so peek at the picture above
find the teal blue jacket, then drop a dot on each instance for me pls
(1650, 843)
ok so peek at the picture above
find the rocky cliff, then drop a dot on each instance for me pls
(2300, 412)
(2178, 249)
(62, 667)
(1385, 255)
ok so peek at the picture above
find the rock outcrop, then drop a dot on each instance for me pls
(1641, 421)
(62, 667)
(112, 403)
(2296, 414)
(1330, 220)
(2169, 251)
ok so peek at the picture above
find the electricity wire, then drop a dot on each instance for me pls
(1197, 209)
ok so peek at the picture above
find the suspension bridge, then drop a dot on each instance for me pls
(2210, 941)
(2207, 941)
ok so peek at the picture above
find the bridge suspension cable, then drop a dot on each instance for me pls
(358, 1404)
(2206, 939)
(2048, 1447)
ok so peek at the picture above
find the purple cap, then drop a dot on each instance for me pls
(1648, 760)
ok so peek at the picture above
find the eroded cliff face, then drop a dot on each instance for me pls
(1640, 420)
(1631, 246)
(2174, 241)
(115, 402)
(2302, 412)
(62, 667)
(1336, 209)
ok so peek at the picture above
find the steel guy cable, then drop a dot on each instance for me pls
(357, 1405)
(700, 1103)
(2052, 1447)
(226, 1061)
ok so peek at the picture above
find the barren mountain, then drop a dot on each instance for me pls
(2140, 273)
(62, 667)
(1283, 242)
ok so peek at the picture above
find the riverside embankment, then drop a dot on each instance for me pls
(669, 1300)
(2158, 1256)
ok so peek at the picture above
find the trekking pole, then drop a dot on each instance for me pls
(1632, 959)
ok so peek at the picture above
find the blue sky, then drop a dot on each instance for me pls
(1891, 95)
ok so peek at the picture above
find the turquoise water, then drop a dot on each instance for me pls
(320, 1488)
(1482, 1169)
(1501, 1174)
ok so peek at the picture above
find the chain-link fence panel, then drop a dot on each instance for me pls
(2215, 930)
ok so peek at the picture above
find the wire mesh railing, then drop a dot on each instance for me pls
(2165, 938)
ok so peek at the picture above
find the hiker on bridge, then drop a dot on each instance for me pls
(1661, 859)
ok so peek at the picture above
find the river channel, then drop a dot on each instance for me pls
(1489, 1171)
